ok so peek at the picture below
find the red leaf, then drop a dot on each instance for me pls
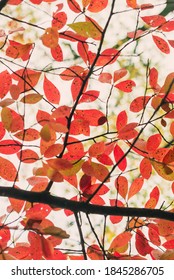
(118, 74)
(71, 73)
(5, 83)
(53, 150)
(7, 170)
(141, 243)
(4, 237)
(38, 212)
(118, 203)
(126, 86)
(169, 244)
(74, 6)
(9, 147)
(93, 116)
(51, 91)
(153, 78)
(139, 103)
(153, 142)
(128, 131)
(27, 156)
(57, 53)
(154, 234)
(75, 150)
(105, 78)
(59, 19)
(145, 168)
(2, 131)
(135, 187)
(146, 6)
(27, 79)
(120, 158)
(161, 44)
(89, 96)
(97, 6)
(121, 120)
(168, 26)
(154, 21)
(171, 42)
(76, 87)
(42, 117)
(16, 204)
(105, 159)
(108, 56)
(19, 252)
(18, 50)
(35, 245)
(79, 126)
(121, 184)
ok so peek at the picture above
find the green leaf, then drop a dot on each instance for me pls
(86, 29)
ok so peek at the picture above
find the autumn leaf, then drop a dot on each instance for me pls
(161, 44)
(97, 6)
(18, 50)
(126, 86)
(7, 170)
(51, 37)
(5, 83)
(142, 244)
(86, 29)
(121, 184)
(135, 187)
(120, 240)
(120, 158)
(51, 91)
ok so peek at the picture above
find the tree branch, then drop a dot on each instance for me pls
(75, 206)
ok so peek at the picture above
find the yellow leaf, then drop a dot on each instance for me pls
(45, 133)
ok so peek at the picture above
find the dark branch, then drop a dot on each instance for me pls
(74, 206)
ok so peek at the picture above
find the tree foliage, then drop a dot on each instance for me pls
(86, 133)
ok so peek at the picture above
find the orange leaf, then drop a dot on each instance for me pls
(7, 170)
(145, 168)
(32, 98)
(96, 149)
(128, 131)
(18, 50)
(50, 37)
(97, 6)
(29, 134)
(53, 150)
(165, 227)
(120, 240)
(121, 184)
(27, 79)
(132, 4)
(135, 187)
(94, 252)
(161, 44)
